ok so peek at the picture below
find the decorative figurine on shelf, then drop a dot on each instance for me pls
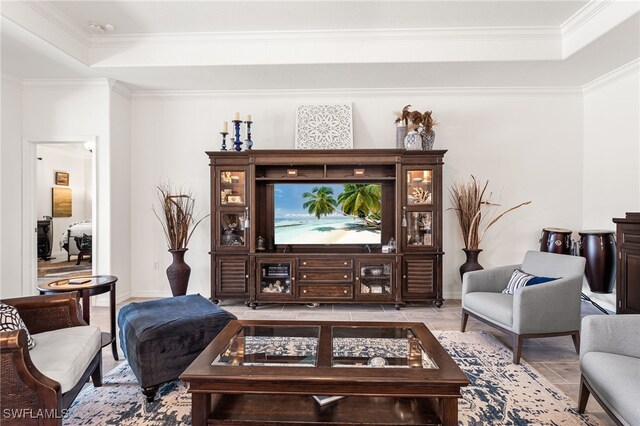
(224, 131)
(236, 140)
(248, 123)
(261, 243)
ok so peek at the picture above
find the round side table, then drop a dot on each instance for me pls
(94, 285)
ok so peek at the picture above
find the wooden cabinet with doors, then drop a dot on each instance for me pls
(250, 263)
(628, 264)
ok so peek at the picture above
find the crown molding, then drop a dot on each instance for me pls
(120, 88)
(396, 34)
(365, 92)
(12, 81)
(61, 20)
(583, 16)
(64, 83)
(612, 76)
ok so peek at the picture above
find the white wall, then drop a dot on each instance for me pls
(63, 158)
(10, 189)
(527, 143)
(611, 160)
(121, 183)
(57, 110)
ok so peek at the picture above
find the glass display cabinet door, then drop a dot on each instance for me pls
(375, 278)
(232, 232)
(419, 231)
(275, 278)
(419, 187)
(232, 187)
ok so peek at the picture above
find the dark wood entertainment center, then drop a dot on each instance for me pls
(242, 211)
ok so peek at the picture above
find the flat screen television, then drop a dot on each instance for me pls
(327, 213)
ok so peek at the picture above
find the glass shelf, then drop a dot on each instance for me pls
(419, 187)
(419, 229)
(232, 187)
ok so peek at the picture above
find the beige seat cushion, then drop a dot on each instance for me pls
(63, 355)
(496, 307)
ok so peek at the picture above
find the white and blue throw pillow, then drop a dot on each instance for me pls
(521, 279)
(10, 320)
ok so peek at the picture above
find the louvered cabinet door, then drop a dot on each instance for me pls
(419, 277)
(231, 277)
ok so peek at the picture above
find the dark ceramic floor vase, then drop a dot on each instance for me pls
(471, 264)
(178, 273)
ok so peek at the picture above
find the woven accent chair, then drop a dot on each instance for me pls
(542, 310)
(44, 381)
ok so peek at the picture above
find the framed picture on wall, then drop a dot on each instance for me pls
(61, 202)
(62, 178)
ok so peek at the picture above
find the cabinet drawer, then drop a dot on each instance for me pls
(344, 276)
(325, 263)
(307, 291)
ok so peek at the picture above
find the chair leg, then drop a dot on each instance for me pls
(517, 348)
(463, 324)
(96, 375)
(584, 396)
(576, 341)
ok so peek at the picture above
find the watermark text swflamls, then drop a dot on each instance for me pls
(33, 413)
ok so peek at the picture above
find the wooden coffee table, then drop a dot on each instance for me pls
(265, 372)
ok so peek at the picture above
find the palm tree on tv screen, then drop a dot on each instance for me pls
(362, 201)
(321, 201)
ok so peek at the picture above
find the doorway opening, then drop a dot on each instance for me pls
(64, 207)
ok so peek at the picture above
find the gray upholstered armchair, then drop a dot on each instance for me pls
(543, 310)
(610, 365)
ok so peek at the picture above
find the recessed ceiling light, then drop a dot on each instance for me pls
(101, 28)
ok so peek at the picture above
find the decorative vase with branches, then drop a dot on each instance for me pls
(175, 212)
(415, 121)
(473, 207)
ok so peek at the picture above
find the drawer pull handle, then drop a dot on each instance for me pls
(346, 276)
(246, 276)
(304, 276)
(345, 263)
(304, 291)
(346, 291)
(304, 263)
(357, 278)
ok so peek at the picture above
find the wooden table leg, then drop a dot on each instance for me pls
(449, 414)
(86, 306)
(112, 313)
(200, 408)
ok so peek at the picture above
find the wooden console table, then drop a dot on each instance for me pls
(98, 284)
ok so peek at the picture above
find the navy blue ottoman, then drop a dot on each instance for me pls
(160, 338)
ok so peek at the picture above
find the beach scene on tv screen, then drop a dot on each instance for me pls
(327, 213)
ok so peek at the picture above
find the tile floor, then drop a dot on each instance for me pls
(554, 358)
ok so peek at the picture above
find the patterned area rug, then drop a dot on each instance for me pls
(500, 393)
(63, 269)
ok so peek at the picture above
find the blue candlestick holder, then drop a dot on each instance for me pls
(224, 141)
(249, 141)
(237, 143)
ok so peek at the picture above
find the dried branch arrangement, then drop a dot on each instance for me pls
(176, 216)
(468, 200)
(417, 118)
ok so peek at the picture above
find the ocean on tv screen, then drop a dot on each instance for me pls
(327, 214)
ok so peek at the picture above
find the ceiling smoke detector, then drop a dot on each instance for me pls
(101, 28)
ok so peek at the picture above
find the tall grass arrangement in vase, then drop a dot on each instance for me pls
(470, 201)
(468, 198)
(175, 212)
